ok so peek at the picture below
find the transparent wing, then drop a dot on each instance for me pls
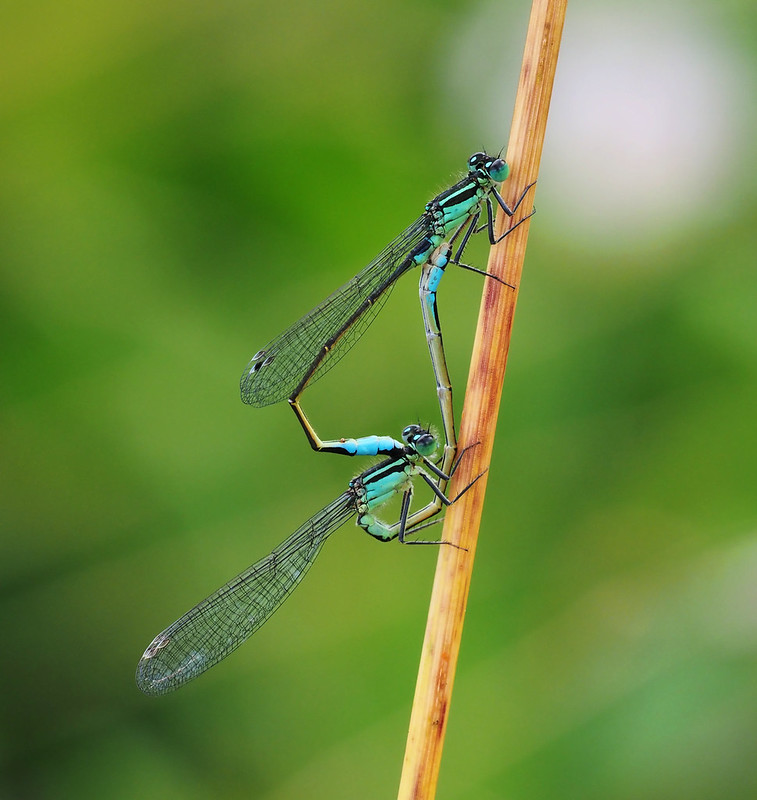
(275, 372)
(221, 622)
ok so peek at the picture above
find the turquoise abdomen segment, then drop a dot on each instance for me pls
(435, 275)
(371, 446)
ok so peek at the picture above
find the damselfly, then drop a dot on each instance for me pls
(314, 344)
(220, 623)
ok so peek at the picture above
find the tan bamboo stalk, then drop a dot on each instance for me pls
(480, 410)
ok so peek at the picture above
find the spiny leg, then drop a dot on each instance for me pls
(403, 529)
(503, 205)
(470, 229)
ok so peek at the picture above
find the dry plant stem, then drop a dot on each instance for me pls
(482, 398)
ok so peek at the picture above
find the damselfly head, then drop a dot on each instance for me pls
(485, 166)
(498, 170)
(419, 439)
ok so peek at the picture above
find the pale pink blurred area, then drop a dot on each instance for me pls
(650, 124)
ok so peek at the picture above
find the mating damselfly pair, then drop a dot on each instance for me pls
(299, 356)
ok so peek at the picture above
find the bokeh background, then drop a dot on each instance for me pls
(181, 180)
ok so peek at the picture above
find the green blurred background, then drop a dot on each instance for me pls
(180, 181)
